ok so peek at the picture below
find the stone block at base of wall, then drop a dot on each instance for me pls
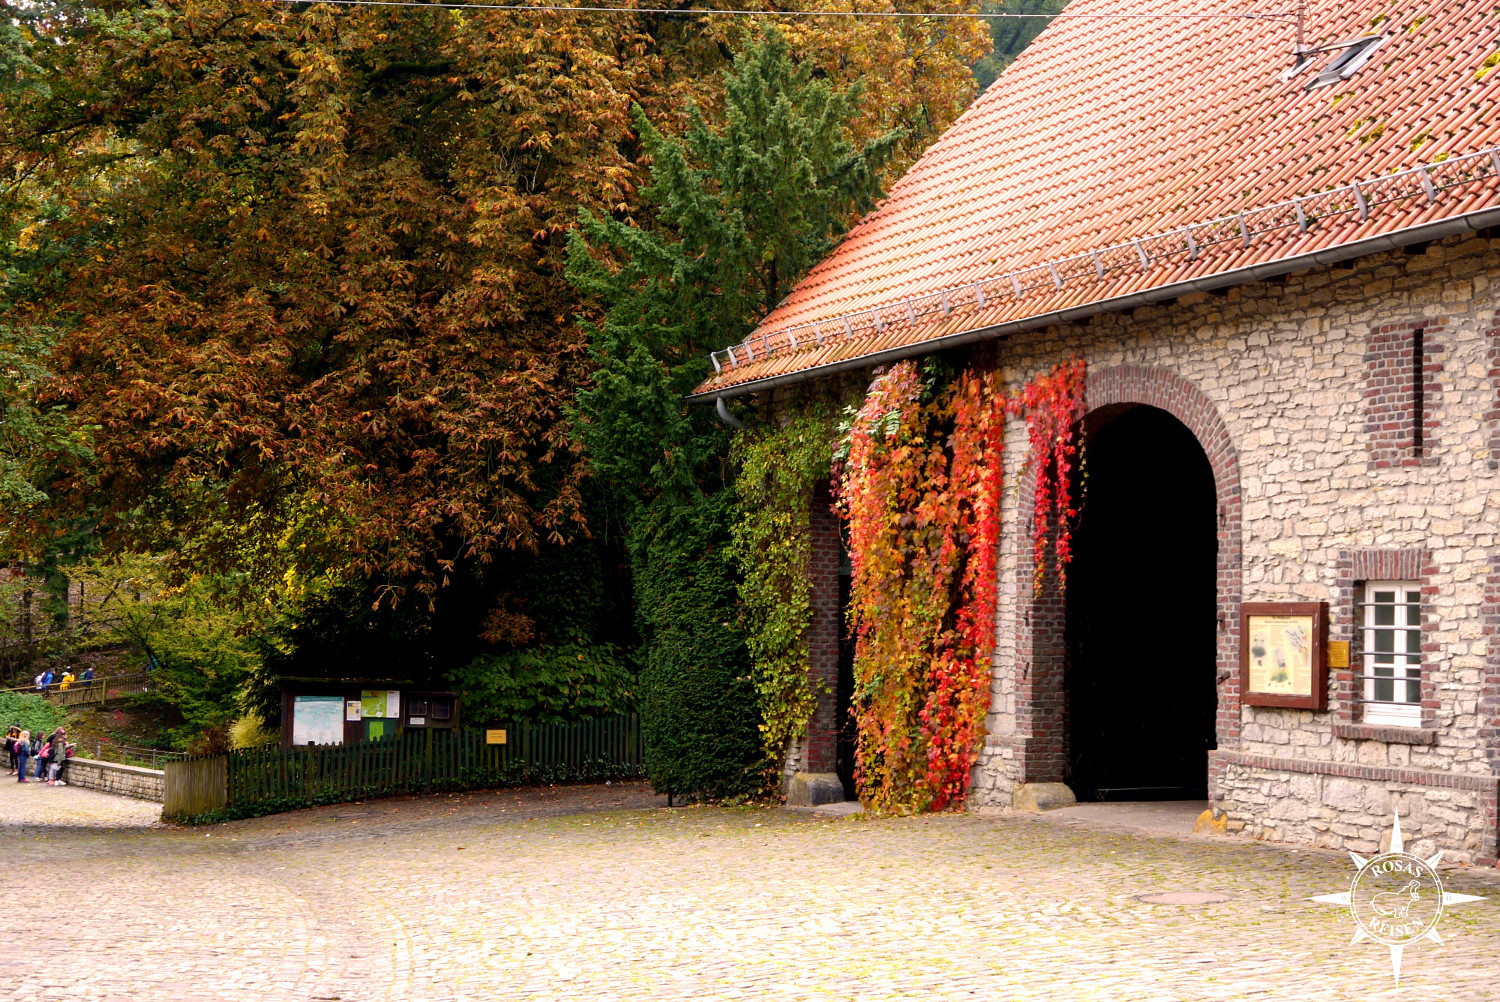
(1038, 797)
(810, 789)
(111, 777)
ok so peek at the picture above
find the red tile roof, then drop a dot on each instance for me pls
(1108, 131)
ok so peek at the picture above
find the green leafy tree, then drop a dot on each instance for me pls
(36, 438)
(311, 259)
(742, 211)
(1009, 36)
(195, 647)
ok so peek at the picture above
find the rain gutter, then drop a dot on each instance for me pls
(1469, 222)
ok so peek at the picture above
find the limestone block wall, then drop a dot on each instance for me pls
(1285, 366)
(111, 777)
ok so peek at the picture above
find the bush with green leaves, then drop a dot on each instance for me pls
(699, 712)
(545, 685)
(30, 712)
(189, 637)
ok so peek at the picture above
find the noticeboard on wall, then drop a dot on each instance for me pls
(1282, 654)
(380, 703)
(317, 720)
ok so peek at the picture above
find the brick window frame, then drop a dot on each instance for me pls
(1354, 568)
(1401, 404)
(1041, 741)
(1489, 688)
(1492, 415)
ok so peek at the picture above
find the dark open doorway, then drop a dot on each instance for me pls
(1141, 609)
(844, 696)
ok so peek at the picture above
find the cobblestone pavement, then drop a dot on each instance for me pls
(35, 803)
(603, 893)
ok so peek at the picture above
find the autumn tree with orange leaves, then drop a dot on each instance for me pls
(306, 262)
(301, 273)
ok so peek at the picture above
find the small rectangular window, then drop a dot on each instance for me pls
(1392, 656)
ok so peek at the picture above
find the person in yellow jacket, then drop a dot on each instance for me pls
(67, 679)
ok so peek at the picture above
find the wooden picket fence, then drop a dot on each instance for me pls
(264, 780)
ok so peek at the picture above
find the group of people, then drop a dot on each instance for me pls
(49, 753)
(62, 679)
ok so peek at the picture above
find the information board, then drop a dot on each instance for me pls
(1282, 654)
(317, 720)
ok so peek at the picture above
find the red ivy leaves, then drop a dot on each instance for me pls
(885, 478)
(953, 719)
(1053, 405)
(921, 493)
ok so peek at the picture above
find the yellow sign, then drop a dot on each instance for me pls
(494, 737)
(380, 703)
(1336, 655)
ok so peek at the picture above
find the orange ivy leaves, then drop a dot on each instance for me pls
(307, 265)
(921, 494)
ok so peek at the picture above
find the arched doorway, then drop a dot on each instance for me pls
(1141, 631)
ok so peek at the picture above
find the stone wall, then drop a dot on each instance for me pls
(111, 777)
(1316, 486)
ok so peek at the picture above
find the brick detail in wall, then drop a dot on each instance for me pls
(1489, 687)
(1355, 567)
(820, 748)
(1492, 415)
(1395, 434)
(1041, 697)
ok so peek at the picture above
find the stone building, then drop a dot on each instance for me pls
(1281, 272)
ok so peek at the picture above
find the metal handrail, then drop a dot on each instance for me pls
(1301, 212)
(125, 753)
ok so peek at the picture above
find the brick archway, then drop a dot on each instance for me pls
(1041, 662)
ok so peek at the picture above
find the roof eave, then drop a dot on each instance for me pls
(1425, 233)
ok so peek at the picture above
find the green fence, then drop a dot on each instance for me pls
(264, 780)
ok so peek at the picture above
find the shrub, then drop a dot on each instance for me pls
(699, 712)
(546, 685)
(32, 712)
(699, 715)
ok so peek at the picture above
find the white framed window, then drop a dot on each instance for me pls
(1392, 653)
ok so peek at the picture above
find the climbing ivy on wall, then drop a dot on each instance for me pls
(920, 492)
(1053, 405)
(779, 468)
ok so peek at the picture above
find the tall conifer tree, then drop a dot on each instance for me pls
(741, 213)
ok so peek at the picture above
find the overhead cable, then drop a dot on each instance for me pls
(695, 11)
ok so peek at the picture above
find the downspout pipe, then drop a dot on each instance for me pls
(1470, 222)
(727, 417)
